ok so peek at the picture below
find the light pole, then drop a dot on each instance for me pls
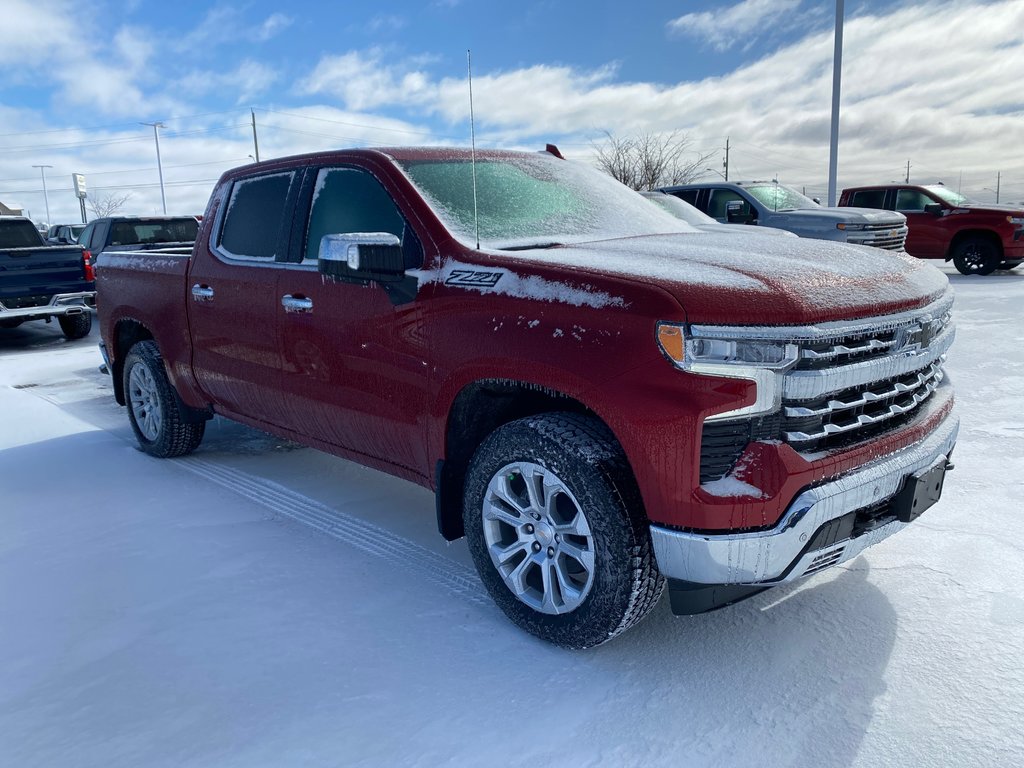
(837, 71)
(159, 166)
(718, 172)
(46, 198)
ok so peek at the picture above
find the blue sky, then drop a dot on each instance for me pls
(932, 81)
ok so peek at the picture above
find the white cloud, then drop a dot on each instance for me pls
(274, 23)
(724, 27)
(237, 86)
(929, 81)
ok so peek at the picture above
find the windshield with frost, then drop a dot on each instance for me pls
(778, 197)
(951, 197)
(526, 200)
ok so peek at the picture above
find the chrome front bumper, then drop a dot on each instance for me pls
(61, 304)
(778, 555)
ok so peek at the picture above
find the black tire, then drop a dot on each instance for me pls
(168, 431)
(10, 323)
(75, 326)
(976, 256)
(1008, 265)
(581, 453)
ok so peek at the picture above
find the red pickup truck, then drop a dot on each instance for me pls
(979, 239)
(604, 399)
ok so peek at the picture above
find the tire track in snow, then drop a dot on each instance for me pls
(350, 529)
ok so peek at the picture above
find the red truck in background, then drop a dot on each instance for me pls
(604, 399)
(942, 224)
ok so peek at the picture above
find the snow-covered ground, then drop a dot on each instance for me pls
(260, 604)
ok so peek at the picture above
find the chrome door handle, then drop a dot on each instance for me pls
(296, 303)
(202, 292)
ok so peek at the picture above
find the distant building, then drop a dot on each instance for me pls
(5, 211)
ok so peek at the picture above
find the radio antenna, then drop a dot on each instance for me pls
(472, 139)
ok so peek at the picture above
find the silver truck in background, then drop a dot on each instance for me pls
(770, 204)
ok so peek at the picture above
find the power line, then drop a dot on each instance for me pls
(115, 125)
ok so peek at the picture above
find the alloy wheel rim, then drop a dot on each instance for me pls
(538, 538)
(145, 401)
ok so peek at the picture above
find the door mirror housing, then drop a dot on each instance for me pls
(738, 212)
(935, 209)
(362, 257)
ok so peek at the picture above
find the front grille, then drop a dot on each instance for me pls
(852, 382)
(880, 236)
(842, 418)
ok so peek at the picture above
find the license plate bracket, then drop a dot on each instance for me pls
(920, 491)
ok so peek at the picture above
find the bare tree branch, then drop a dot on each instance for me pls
(650, 160)
(107, 205)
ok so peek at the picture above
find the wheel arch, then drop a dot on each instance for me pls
(478, 409)
(967, 234)
(127, 333)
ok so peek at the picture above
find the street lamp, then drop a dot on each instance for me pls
(718, 172)
(46, 198)
(159, 166)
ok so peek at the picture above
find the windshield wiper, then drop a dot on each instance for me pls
(532, 246)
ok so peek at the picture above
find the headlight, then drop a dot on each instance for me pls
(763, 362)
(850, 227)
(1018, 220)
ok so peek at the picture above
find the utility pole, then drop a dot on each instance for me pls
(46, 199)
(999, 178)
(837, 73)
(159, 166)
(725, 162)
(907, 180)
(255, 142)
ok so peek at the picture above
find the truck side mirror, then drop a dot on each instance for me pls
(734, 212)
(362, 256)
(935, 209)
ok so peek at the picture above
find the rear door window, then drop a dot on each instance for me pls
(868, 198)
(254, 221)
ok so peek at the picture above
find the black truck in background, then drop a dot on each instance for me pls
(40, 282)
(139, 233)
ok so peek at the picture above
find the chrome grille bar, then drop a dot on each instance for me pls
(867, 396)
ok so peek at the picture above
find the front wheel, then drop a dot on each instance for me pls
(976, 256)
(557, 531)
(160, 422)
(75, 326)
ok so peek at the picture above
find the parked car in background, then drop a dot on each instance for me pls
(40, 282)
(137, 233)
(943, 224)
(64, 234)
(602, 397)
(683, 210)
(769, 204)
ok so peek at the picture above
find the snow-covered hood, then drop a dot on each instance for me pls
(1008, 210)
(832, 216)
(749, 281)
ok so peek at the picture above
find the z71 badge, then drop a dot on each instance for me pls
(476, 279)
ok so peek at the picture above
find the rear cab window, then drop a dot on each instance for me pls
(868, 198)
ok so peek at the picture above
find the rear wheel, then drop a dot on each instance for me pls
(76, 326)
(976, 256)
(557, 531)
(161, 424)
